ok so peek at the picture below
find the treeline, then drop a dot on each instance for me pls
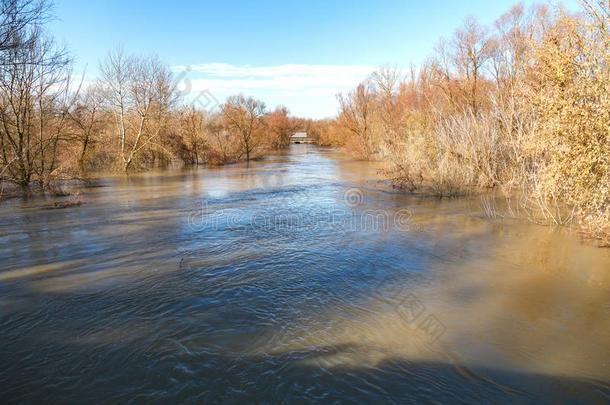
(53, 126)
(521, 106)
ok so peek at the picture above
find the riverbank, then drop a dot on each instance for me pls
(517, 105)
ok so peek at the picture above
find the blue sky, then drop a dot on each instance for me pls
(299, 54)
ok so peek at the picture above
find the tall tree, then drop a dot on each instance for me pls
(34, 95)
(88, 120)
(357, 115)
(141, 96)
(244, 116)
(281, 127)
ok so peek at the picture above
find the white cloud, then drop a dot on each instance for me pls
(307, 90)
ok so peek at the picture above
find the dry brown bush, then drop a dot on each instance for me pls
(522, 107)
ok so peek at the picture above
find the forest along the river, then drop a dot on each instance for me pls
(299, 277)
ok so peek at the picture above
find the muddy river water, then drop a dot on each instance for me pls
(299, 278)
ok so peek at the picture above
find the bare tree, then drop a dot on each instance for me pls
(115, 71)
(141, 96)
(387, 81)
(34, 99)
(281, 126)
(224, 146)
(88, 120)
(193, 127)
(459, 64)
(472, 50)
(243, 115)
(357, 114)
(17, 20)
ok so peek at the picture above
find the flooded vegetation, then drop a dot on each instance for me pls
(301, 277)
(434, 231)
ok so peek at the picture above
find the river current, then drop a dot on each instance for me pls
(298, 278)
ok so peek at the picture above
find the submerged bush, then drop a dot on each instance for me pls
(523, 106)
(570, 94)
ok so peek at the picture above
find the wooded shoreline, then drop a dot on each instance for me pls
(519, 106)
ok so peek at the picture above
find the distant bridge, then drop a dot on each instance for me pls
(301, 137)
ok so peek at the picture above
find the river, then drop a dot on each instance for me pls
(298, 278)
